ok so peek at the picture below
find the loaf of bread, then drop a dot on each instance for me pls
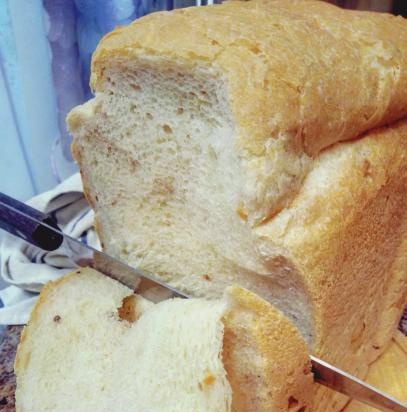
(259, 143)
(92, 345)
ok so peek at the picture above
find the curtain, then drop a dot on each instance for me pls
(45, 52)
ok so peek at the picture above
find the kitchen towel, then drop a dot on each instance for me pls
(25, 268)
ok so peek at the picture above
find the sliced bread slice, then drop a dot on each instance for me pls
(93, 345)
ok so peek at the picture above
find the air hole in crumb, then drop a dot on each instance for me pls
(135, 164)
(128, 309)
(167, 129)
(292, 403)
(306, 369)
(135, 87)
(180, 110)
(301, 409)
(206, 277)
(209, 379)
(255, 49)
(212, 153)
(96, 198)
(133, 108)
(366, 168)
(376, 347)
(57, 319)
(242, 213)
(214, 43)
(149, 116)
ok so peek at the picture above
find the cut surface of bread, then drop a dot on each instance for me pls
(92, 345)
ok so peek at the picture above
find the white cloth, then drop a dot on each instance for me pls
(26, 268)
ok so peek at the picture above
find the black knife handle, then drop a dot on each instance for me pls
(15, 219)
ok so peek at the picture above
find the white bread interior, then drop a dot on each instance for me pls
(172, 196)
(79, 353)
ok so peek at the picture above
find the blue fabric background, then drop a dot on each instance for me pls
(45, 52)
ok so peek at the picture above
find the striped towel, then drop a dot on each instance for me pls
(26, 268)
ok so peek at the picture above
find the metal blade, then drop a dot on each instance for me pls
(145, 284)
(342, 382)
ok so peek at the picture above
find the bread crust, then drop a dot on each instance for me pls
(283, 381)
(346, 233)
(305, 69)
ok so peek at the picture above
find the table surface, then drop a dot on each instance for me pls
(8, 349)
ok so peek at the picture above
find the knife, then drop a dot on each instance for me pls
(42, 231)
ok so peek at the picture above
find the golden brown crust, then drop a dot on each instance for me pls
(277, 375)
(304, 69)
(346, 232)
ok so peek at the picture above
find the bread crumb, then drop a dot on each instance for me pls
(366, 168)
(209, 379)
(206, 277)
(241, 212)
(128, 309)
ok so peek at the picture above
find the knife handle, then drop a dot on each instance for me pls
(13, 219)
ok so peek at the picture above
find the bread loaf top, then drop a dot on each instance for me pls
(304, 70)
